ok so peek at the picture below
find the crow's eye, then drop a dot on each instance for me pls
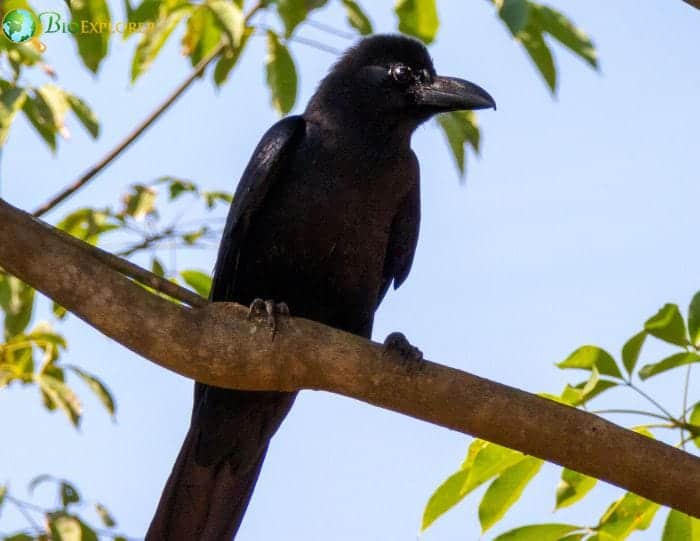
(401, 73)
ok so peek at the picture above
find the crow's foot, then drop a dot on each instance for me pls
(396, 343)
(269, 311)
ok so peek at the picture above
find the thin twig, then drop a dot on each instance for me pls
(303, 41)
(669, 426)
(137, 273)
(146, 242)
(315, 44)
(23, 508)
(116, 151)
(685, 402)
(330, 29)
(651, 400)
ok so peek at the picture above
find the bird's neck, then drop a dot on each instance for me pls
(351, 127)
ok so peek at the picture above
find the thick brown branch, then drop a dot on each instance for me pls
(694, 3)
(216, 344)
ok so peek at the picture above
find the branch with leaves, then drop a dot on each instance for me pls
(64, 521)
(509, 472)
(217, 32)
(219, 345)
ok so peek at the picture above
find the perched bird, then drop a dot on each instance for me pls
(324, 219)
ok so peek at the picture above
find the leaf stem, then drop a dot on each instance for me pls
(330, 29)
(651, 400)
(24, 508)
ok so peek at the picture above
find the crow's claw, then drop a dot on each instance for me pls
(268, 310)
(396, 343)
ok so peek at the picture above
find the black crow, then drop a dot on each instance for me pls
(324, 219)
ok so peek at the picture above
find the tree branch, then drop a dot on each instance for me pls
(694, 3)
(91, 173)
(216, 344)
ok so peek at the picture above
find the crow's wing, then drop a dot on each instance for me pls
(276, 145)
(403, 238)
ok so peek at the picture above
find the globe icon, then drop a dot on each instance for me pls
(18, 25)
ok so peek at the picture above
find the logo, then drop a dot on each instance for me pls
(53, 22)
(19, 25)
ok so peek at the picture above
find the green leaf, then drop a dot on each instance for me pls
(484, 461)
(66, 527)
(694, 419)
(573, 487)
(93, 39)
(294, 12)
(229, 58)
(230, 18)
(198, 281)
(586, 357)
(667, 325)
(461, 129)
(46, 110)
(153, 39)
(19, 537)
(357, 18)
(669, 363)
(12, 99)
(538, 532)
(141, 202)
(281, 74)
(211, 198)
(491, 460)
(629, 513)
(58, 311)
(3, 492)
(97, 387)
(643, 430)
(535, 46)
(87, 224)
(445, 497)
(146, 12)
(515, 14)
(157, 267)
(69, 494)
(506, 489)
(565, 32)
(105, 516)
(631, 350)
(40, 120)
(418, 18)
(61, 396)
(17, 301)
(694, 320)
(681, 527)
(202, 34)
(592, 382)
(84, 114)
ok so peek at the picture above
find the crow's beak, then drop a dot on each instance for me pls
(452, 94)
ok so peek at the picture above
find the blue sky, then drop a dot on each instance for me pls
(574, 226)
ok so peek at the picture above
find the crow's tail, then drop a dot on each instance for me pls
(212, 481)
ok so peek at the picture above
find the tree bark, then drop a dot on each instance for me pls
(694, 3)
(216, 344)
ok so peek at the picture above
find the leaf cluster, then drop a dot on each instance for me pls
(510, 471)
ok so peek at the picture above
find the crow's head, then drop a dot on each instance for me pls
(391, 79)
